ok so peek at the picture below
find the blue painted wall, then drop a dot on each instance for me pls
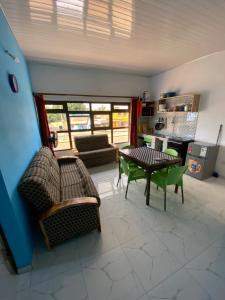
(19, 141)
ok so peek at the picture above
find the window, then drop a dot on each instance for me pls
(120, 107)
(101, 120)
(80, 121)
(71, 119)
(120, 119)
(63, 141)
(100, 106)
(57, 121)
(54, 106)
(76, 106)
(120, 135)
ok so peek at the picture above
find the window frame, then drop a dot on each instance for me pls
(92, 113)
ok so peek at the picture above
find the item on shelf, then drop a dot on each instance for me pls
(144, 127)
(160, 124)
(171, 94)
(146, 96)
(162, 107)
(186, 107)
(161, 96)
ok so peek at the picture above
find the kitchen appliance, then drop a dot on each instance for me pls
(180, 145)
(160, 124)
(156, 141)
(201, 159)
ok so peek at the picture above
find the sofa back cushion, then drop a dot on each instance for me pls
(91, 142)
(40, 185)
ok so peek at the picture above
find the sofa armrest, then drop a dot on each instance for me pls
(66, 204)
(65, 216)
(66, 159)
(114, 146)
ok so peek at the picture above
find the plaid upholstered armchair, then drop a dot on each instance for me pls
(62, 196)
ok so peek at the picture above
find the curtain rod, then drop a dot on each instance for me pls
(81, 95)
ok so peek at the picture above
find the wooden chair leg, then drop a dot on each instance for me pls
(127, 190)
(176, 189)
(99, 221)
(182, 194)
(164, 199)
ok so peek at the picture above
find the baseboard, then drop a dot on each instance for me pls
(24, 269)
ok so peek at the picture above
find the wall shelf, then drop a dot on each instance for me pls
(179, 103)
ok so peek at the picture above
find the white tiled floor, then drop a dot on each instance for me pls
(142, 253)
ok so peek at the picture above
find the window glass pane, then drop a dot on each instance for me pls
(122, 107)
(53, 106)
(120, 135)
(100, 106)
(63, 141)
(101, 120)
(57, 121)
(78, 106)
(79, 133)
(120, 119)
(108, 132)
(80, 121)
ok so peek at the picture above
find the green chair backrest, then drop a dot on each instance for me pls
(124, 165)
(171, 152)
(147, 139)
(175, 174)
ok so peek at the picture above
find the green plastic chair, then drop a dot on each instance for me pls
(147, 139)
(171, 152)
(173, 176)
(132, 171)
(129, 147)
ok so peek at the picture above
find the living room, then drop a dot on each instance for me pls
(90, 217)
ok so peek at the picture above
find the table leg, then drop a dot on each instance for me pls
(148, 189)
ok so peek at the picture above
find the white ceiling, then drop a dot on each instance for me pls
(143, 36)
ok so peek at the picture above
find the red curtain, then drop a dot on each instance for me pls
(43, 121)
(135, 113)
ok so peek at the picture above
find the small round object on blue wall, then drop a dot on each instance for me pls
(13, 83)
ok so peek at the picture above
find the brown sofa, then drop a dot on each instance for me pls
(62, 195)
(95, 150)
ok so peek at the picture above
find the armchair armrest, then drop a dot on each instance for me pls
(64, 220)
(68, 203)
(114, 146)
(66, 159)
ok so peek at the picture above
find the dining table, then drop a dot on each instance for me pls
(150, 160)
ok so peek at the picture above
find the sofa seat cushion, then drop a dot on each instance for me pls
(68, 168)
(73, 191)
(70, 178)
(77, 183)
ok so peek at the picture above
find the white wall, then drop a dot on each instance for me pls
(205, 76)
(68, 79)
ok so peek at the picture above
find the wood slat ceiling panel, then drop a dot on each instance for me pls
(144, 36)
